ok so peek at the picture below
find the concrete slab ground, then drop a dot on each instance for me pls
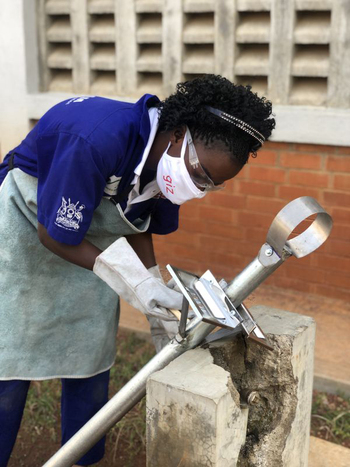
(325, 454)
(332, 363)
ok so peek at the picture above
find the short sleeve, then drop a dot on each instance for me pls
(71, 181)
(165, 218)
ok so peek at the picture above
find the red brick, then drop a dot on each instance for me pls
(338, 279)
(291, 283)
(248, 249)
(257, 188)
(341, 231)
(190, 209)
(277, 146)
(258, 235)
(341, 215)
(249, 219)
(264, 157)
(344, 150)
(292, 192)
(185, 251)
(303, 273)
(337, 247)
(216, 213)
(184, 238)
(270, 174)
(338, 163)
(342, 182)
(223, 230)
(243, 174)
(224, 200)
(220, 245)
(333, 292)
(332, 198)
(308, 179)
(319, 148)
(222, 258)
(300, 160)
(337, 263)
(192, 225)
(264, 205)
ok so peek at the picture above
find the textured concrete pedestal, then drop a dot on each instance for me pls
(193, 414)
(194, 417)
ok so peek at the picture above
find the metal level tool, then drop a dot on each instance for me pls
(218, 303)
(209, 302)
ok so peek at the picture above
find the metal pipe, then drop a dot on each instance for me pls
(254, 274)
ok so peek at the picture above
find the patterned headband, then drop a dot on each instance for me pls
(238, 123)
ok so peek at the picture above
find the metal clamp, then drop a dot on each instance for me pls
(289, 218)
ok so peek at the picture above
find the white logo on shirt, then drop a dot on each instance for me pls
(69, 215)
(79, 99)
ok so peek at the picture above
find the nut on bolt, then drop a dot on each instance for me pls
(253, 398)
(249, 398)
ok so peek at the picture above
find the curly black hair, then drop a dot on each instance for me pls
(187, 106)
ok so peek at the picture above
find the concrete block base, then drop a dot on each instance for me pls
(195, 415)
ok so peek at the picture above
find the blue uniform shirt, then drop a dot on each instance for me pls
(74, 150)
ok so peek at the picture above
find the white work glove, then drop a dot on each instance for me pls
(161, 331)
(120, 267)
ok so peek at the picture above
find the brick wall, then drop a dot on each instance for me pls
(224, 231)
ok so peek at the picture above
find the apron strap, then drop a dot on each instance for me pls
(11, 162)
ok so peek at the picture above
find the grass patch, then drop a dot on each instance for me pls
(330, 418)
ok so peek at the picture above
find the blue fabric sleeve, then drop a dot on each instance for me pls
(165, 218)
(71, 181)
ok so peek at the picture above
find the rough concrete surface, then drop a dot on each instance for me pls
(194, 417)
(279, 423)
(194, 408)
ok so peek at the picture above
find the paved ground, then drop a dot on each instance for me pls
(332, 363)
(325, 454)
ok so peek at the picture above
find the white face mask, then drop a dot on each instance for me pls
(174, 180)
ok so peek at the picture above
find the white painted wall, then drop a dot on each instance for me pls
(13, 76)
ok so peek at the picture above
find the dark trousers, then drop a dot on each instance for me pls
(81, 399)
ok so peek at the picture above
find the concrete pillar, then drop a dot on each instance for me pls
(339, 73)
(172, 44)
(194, 406)
(193, 414)
(126, 47)
(281, 50)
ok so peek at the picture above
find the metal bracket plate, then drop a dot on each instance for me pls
(210, 303)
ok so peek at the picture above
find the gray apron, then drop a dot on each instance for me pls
(56, 319)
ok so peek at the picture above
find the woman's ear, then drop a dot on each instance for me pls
(178, 135)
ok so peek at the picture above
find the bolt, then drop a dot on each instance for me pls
(253, 398)
(269, 252)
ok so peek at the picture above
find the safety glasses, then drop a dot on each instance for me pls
(198, 175)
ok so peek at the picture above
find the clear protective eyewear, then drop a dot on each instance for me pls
(198, 175)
